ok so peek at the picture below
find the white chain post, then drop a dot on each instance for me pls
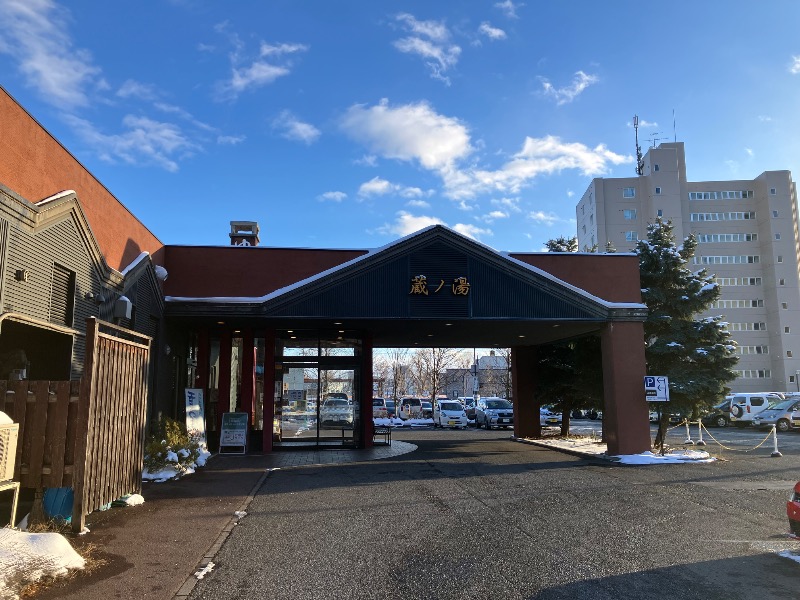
(700, 441)
(775, 452)
(688, 439)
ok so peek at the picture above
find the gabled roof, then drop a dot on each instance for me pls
(378, 285)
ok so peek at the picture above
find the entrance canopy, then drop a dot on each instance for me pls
(432, 288)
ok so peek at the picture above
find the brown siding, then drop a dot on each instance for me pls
(36, 166)
(612, 277)
(206, 271)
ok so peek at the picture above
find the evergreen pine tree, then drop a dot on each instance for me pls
(696, 354)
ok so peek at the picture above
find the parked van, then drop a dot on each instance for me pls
(746, 406)
(410, 408)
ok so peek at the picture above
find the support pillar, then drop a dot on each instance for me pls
(367, 426)
(269, 389)
(625, 413)
(224, 400)
(527, 423)
(248, 375)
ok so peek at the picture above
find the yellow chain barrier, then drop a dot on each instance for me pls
(728, 447)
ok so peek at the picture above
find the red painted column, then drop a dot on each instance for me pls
(625, 413)
(224, 403)
(367, 426)
(203, 356)
(269, 388)
(527, 423)
(248, 375)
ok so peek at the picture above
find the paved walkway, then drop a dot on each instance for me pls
(152, 551)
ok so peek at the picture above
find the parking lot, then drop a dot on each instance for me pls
(472, 514)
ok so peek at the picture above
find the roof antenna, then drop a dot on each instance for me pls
(639, 159)
(674, 131)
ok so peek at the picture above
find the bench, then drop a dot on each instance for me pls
(382, 431)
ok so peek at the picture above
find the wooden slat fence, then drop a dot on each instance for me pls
(87, 434)
(112, 418)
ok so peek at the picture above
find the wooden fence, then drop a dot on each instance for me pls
(87, 434)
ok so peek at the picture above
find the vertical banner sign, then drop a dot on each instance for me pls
(234, 433)
(196, 416)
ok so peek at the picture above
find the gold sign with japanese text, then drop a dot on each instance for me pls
(419, 286)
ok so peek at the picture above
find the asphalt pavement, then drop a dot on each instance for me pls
(454, 514)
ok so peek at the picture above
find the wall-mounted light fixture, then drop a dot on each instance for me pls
(21, 275)
(96, 298)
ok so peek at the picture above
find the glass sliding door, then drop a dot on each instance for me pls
(339, 408)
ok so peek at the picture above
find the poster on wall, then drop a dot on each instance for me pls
(233, 435)
(196, 416)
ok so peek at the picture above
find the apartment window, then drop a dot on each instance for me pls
(754, 373)
(784, 305)
(775, 214)
(737, 304)
(772, 191)
(748, 327)
(660, 212)
(777, 236)
(791, 378)
(780, 259)
(788, 354)
(655, 167)
(582, 207)
(591, 219)
(787, 330)
(658, 190)
(629, 192)
(732, 281)
(781, 281)
(584, 229)
(725, 260)
(631, 236)
(731, 216)
(744, 350)
(711, 238)
(629, 214)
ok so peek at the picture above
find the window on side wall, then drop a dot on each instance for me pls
(631, 236)
(658, 190)
(628, 192)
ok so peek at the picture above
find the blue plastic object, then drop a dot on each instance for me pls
(58, 503)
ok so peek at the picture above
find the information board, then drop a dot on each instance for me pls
(233, 435)
(656, 388)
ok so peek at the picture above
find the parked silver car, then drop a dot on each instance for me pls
(778, 414)
(494, 412)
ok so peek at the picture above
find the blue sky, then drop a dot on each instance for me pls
(350, 124)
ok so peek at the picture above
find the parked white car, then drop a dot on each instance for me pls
(745, 407)
(449, 413)
(336, 412)
(494, 412)
(548, 418)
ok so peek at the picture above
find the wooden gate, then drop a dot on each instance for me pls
(112, 416)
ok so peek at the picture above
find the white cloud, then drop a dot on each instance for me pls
(35, 36)
(494, 215)
(539, 156)
(764, 118)
(472, 231)
(410, 132)
(230, 140)
(570, 193)
(567, 94)
(332, 196)
(548, 219)
(642, 123)
(406, 224)
(249, 74)
(794, 68)
(281, 49)
(368, 160)
(492, 33)
(378, 186)
(509, 8)
(143, 142)
(418, 204)
(511, 204)
(293, 129)
(136, 89)
(431, 41)
(749, 152)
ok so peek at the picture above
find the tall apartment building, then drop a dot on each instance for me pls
(748, 237)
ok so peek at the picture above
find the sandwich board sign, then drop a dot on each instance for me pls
(195, 415)
(656, 388)
(233, 435)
